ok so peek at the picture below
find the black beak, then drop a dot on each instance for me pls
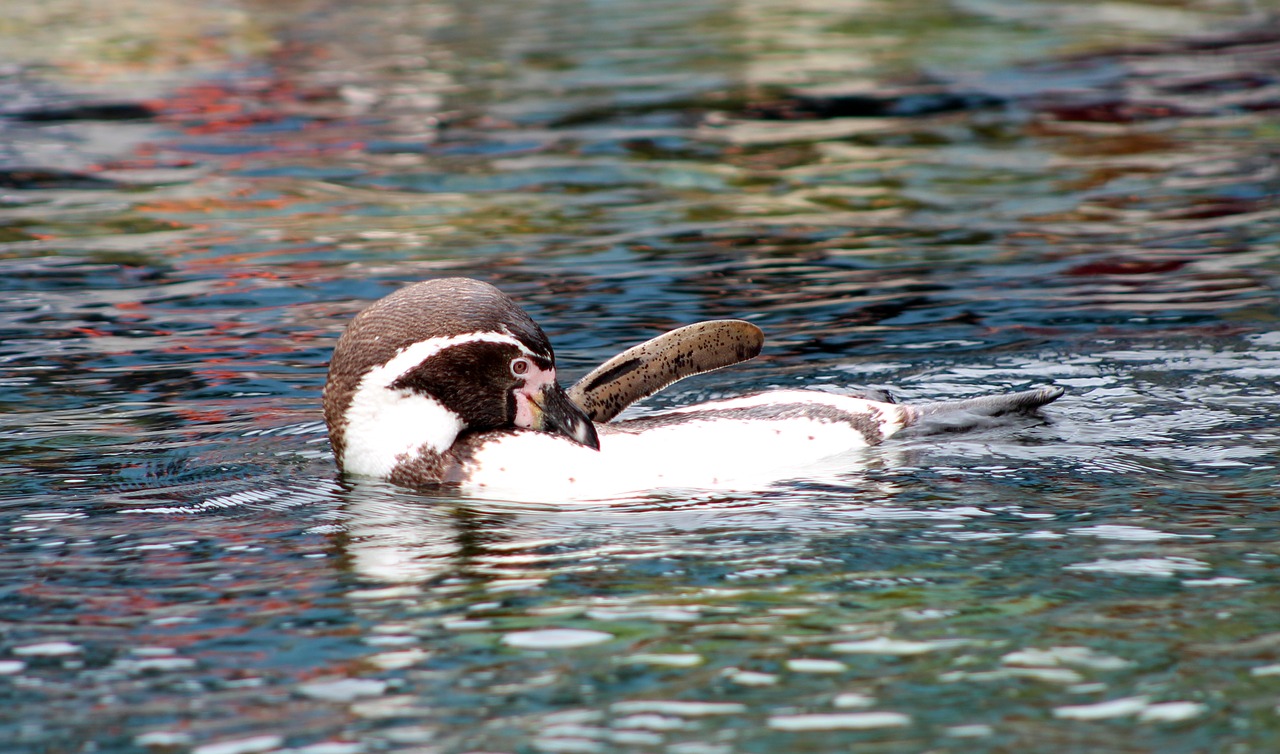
(561, 416)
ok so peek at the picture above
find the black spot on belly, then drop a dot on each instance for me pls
(452, 467)
(422, 470)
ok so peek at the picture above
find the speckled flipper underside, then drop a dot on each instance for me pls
(641, 371)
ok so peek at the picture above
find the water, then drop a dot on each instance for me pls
(185, 572)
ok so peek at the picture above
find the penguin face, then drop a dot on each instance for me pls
(435, 359)
(491, 382)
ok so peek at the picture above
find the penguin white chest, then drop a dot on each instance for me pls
(388, 426)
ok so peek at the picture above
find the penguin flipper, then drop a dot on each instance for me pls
(642, 370)
(987, 410)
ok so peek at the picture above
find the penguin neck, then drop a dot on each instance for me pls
(387, 428)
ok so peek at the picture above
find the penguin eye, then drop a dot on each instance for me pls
(520, 366)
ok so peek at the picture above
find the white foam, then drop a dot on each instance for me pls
(1163, 567)
(343, 690)
(816, 666)
(670, 660)
(1125, 533)
(883, 645)
(555, 638)
(839, 721)
(1172, 712)
(1103, 710)
(162, 739)
(1218, 581)
(1053, 656)
(977, 730)
(751, 678)
(251, 745)
(678, 708)
(48, 649)
(651, 722)
(851, 699)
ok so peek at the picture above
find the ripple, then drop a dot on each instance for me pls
(899, 647)
(1103, 710)
(677, 708)
(801, 665)
(48, 649)
(839, 721)
(343, 690)
(1077, 656)
(555, 638)
(250, 745)
(1163, 567)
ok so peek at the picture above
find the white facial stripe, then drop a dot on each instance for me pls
(415, 353)
(384, 425)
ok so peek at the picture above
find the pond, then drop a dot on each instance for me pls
(942, 199)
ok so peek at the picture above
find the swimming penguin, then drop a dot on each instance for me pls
(448, 382)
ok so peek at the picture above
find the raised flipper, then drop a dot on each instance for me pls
(971, 413)
(641, 371)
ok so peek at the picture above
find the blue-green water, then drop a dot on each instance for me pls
(183, 571)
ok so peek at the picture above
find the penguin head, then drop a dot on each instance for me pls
(435, 359)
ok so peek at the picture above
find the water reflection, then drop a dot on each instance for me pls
(401, 537)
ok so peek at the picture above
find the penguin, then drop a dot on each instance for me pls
(449, 384)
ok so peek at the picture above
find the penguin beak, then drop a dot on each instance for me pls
(553, 412)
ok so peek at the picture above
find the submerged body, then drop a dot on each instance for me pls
(448, 382)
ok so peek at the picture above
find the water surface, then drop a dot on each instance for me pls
(944, 199)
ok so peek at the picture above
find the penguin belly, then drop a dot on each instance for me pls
(740, 444)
